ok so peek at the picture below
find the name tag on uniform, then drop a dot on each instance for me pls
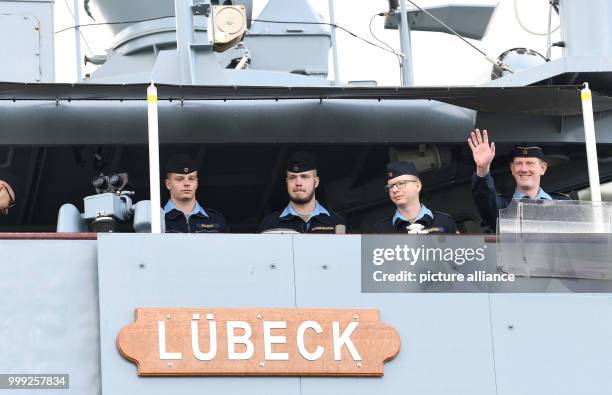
(318, 228)
(433, 230)
(206, 226)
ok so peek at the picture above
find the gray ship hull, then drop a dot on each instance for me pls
(67, 300)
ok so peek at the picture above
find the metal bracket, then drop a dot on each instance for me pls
(201, 9)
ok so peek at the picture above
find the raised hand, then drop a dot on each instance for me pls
(482, 152)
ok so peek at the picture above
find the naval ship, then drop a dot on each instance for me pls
(240, 93)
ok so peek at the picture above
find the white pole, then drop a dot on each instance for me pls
(332, 20)
(154, 159)
(184, 38)
(77, 40)
(405, 45)
(591, 144)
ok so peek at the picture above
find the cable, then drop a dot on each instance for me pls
(80, 32)
(327, 24)
(250, 20)
(496, 63)
(399, 56)
(520, 22)
(113, 23)
(548, 36)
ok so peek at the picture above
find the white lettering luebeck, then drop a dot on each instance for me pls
(195, 341)
(161, 334)
(300, 340)
(269, 340)
(232, 340)
(344, 339)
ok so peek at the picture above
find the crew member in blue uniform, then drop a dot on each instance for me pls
(183, 213)
(527, 167)
(304, 213)
(411, 216)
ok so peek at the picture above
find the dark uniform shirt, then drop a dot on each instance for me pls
(489, 203)
(432, 221)
(320, 220)
(198, 221)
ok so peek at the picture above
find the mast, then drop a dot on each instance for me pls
(77, 41)
(406, 46)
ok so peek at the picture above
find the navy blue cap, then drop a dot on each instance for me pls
(180, 164)
(401, 168)
(527, 151)
(300, 162)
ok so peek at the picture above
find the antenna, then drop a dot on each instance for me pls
(496, 63)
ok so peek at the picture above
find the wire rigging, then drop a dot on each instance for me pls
(549, 35)
(113, 23)
(517, 15)
(397, 55)
(80, 32)
(250, 20)
(331, 25)
(496, 63)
